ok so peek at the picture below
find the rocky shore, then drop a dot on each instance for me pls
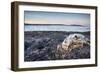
(42, 45)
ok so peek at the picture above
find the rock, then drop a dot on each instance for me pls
(42, 46)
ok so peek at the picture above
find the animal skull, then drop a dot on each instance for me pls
(74, 41)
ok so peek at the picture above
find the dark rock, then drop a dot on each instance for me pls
(40, 46)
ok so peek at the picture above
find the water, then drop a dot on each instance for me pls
(56, 28)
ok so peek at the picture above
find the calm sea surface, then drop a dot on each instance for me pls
(68, 28)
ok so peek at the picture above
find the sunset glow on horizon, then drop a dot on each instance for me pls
(40, 17)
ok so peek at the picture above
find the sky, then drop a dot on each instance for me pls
(40, 17)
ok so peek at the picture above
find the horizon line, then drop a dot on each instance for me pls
(57, 24)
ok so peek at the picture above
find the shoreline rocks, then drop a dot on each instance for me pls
(42, 46)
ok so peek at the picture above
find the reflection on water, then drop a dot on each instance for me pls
(71, 28)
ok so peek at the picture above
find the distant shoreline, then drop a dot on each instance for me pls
(55, 24)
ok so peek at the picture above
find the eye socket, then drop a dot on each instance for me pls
(76, 37)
